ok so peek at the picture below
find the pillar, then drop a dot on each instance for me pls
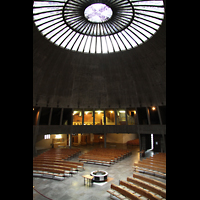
(104, 117)
(61, 116)
(159, 115)
(148, 115)
(126, 116)
(115, 110)
(50, 116)
(104, 140)
(82, 116)
(93, 116)
(70, 140)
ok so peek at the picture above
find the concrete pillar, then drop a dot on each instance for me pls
(93, 116)
(159, 115)
(82, 116)
(50, 115)
(115, 110)
(164, 146)
(104, 117)
(148, 115)
(126, 116)
(39, 115)
(70, 140)
(104, 140)
(61, 116)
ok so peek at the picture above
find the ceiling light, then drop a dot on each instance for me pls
(153, 108)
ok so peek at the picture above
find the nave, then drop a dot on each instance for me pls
(73, 188)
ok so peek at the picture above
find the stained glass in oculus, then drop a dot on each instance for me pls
(98, 26)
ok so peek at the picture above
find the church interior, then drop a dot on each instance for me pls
(99, 99)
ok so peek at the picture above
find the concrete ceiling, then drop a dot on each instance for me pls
(130, 78)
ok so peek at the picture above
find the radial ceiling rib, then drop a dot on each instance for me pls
(109, 26)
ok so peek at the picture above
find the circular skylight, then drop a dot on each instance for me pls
(98, 26)
(98, 13)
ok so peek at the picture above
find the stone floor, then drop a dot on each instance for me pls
(73, 188)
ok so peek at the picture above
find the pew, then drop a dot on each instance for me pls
(150, 180)
(149, 172)
(139, 190)
(122, 193)
(159, 169)
(147, 186)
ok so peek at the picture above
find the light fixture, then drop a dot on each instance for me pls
(111, 111)
(58, 136)
(122, 111)
(153, 108)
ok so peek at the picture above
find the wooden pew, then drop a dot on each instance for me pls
(144, 161)
(48, 172)
(150, 167)
(150, 180)
(147, 186)
(149, 172)
(139, 190)
(73, 167)
(121, 193)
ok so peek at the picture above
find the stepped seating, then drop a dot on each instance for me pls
(155, 165)
(48, 164)
(140, 186)
(104, 156)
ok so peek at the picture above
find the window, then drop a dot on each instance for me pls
(77, 117)
(99, 117)
(121, 117)
(88, 117)
(110, 117)
(131, 116)
(47, 136)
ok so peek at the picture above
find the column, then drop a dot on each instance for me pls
(93, 116)
(115, 110)
(38, 120)
(70, 140)
(104, 117)
(136, 117)
(82, 116)
(50, 115)
(61, 116)
(126, 116)
(159, 115)
(148, 116)
(163, 137)
(104, 140)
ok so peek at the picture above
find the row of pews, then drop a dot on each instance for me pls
(140, 187)
(53, 164)
(104, 156)
(155, 165)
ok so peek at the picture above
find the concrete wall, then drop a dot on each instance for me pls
(120, 137)
(42, 143)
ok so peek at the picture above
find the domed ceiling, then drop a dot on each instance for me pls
(128, 77)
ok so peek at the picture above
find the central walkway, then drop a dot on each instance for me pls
(73, 188)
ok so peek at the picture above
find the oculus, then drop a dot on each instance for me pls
(98, 13)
